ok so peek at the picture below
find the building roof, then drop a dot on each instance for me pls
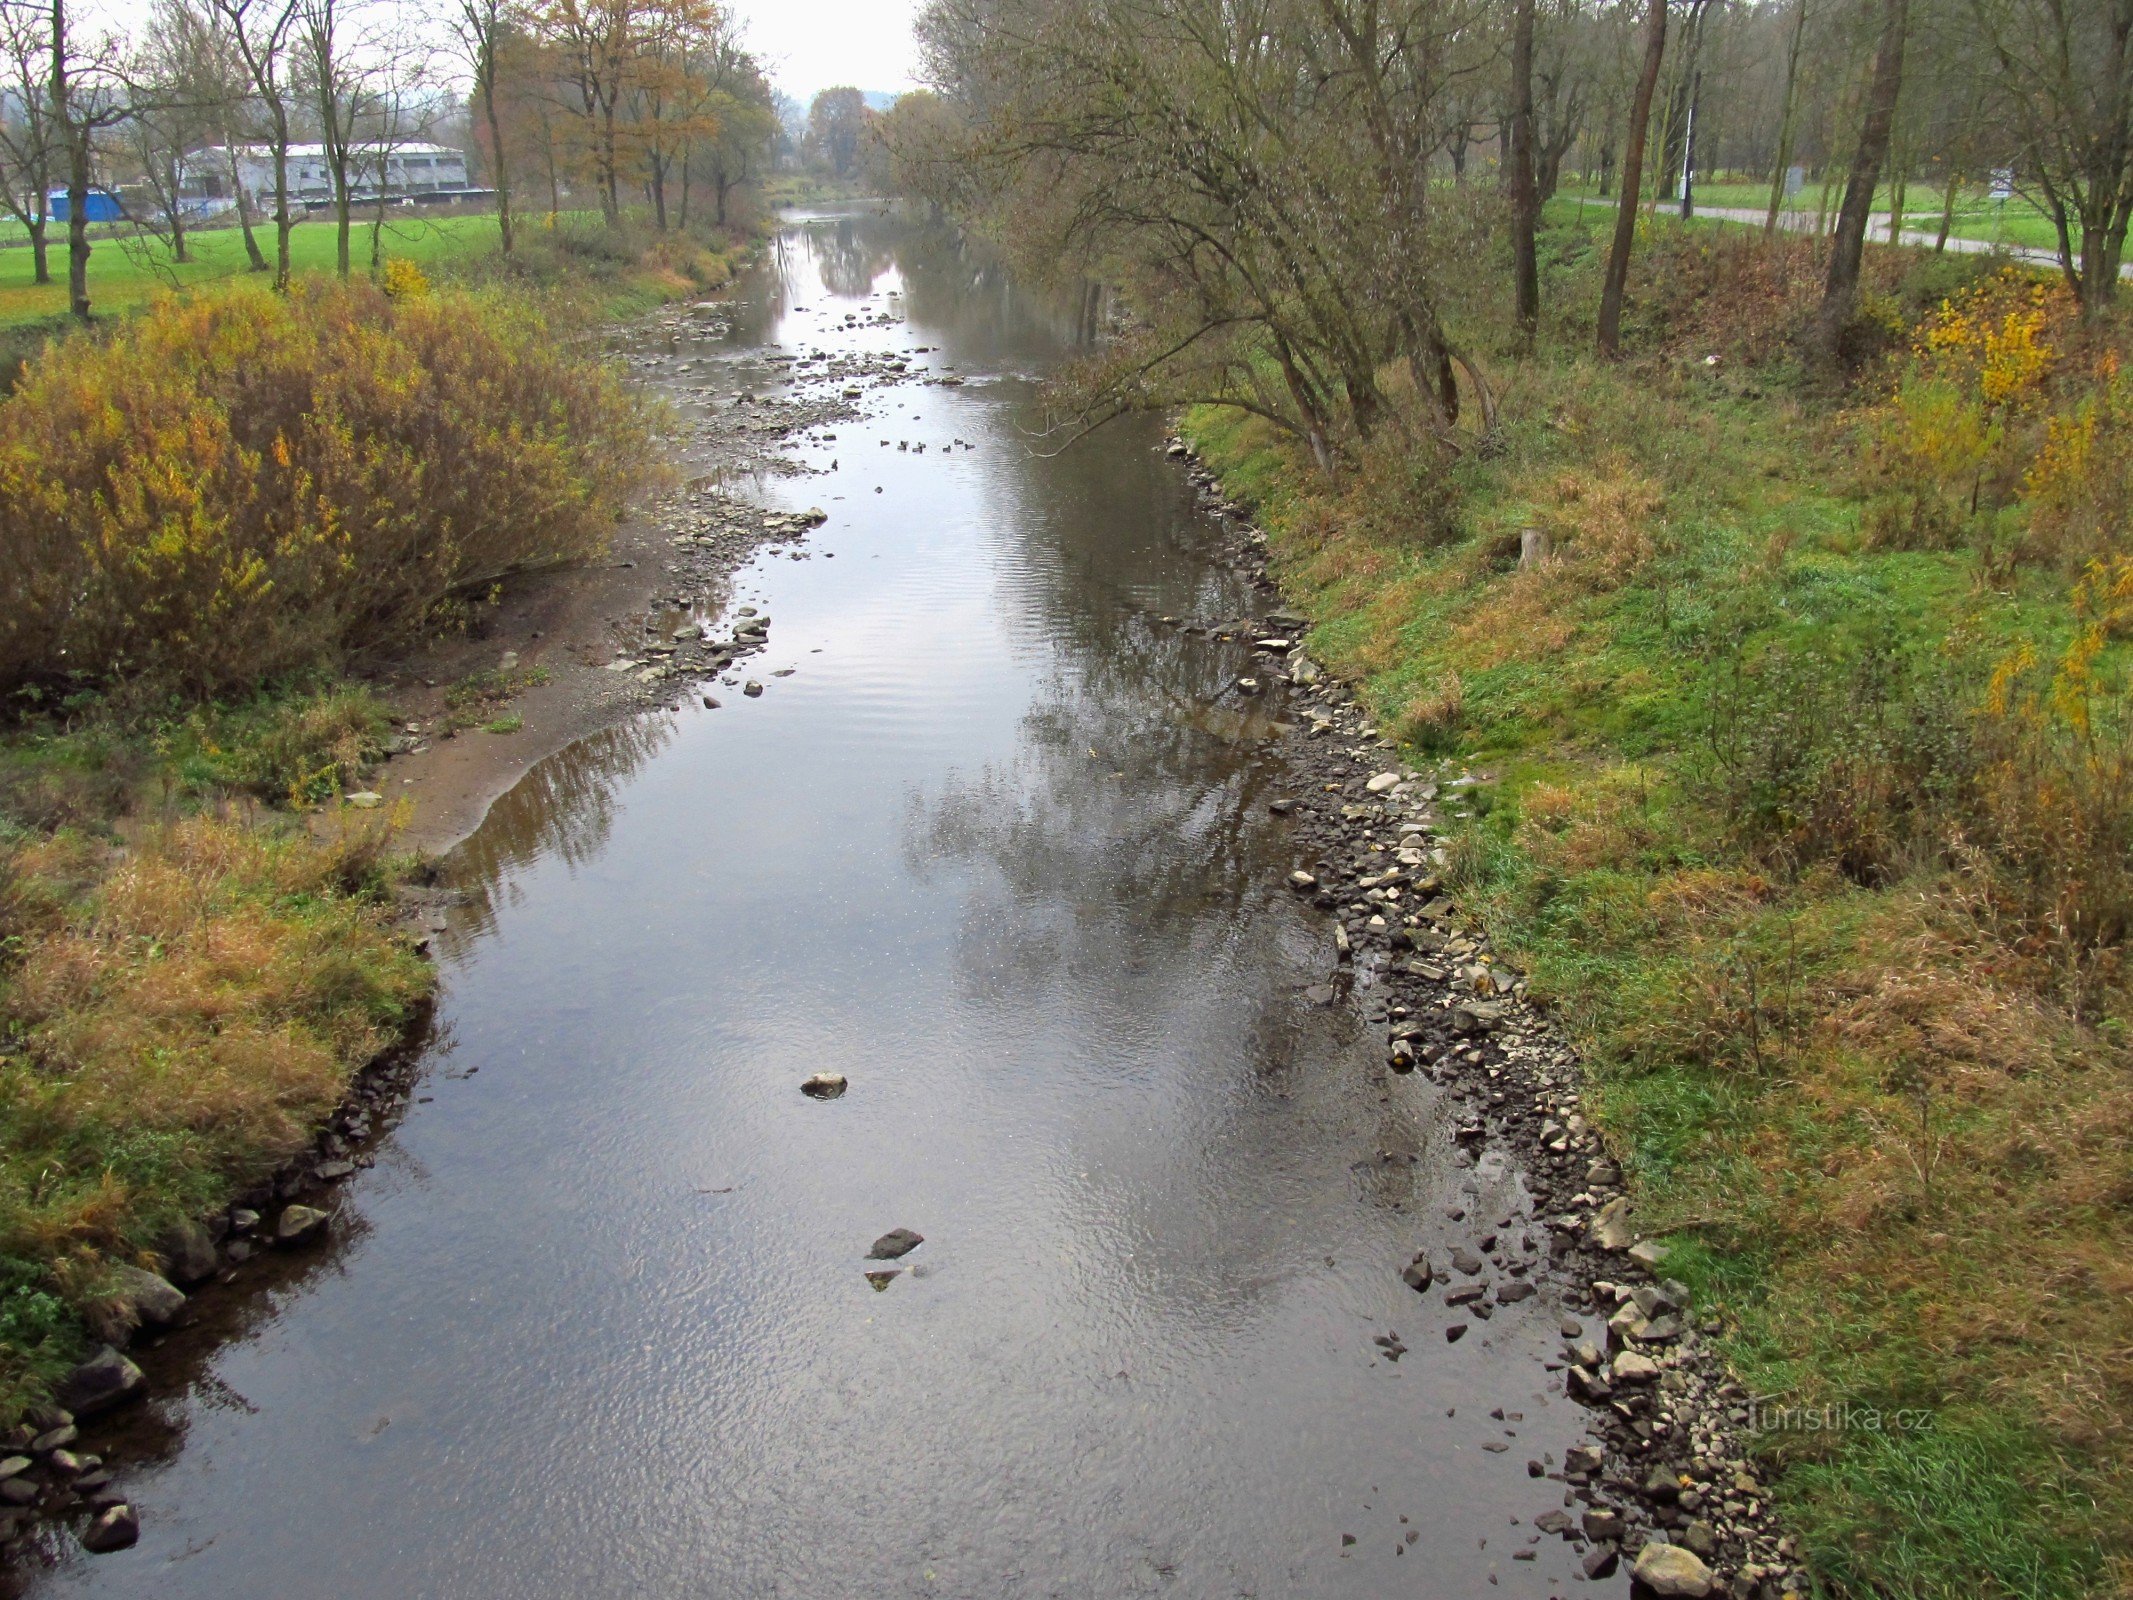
(317, 152)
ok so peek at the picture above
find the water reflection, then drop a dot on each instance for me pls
(564, 806)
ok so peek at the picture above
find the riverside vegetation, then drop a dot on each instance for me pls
(1810, 808)
(213, 512)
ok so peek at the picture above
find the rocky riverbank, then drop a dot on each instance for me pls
(1668, 1486)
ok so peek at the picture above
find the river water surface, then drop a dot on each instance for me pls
(999, 851)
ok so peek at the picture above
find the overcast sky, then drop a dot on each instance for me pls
(817, 44)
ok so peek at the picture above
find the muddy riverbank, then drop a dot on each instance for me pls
(1006, 842)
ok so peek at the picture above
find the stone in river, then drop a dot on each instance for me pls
(105, 1380)
(824, 1085)
(1668, 1569)
(115, 1529)
(896, 1242)
(751, 688)
(298, 1222)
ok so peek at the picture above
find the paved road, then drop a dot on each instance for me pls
(1878, 230)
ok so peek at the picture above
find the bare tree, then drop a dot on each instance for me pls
(176, 90)
(259, 34)
(2066, 80)
(480, 27)
(29, 154)
(87, 95)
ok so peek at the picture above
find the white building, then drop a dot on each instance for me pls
(406, 170)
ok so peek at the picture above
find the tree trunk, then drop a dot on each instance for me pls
(40, 253)
(1846, 249)
(499, 176)
(252, 252)
(78, 222)
(1640, 116)
(1525, 196)
(282, 223)
(1786, 117)
(658, 170)
(1947, 209)
(77, 148)
(342, 218)
(610, 181)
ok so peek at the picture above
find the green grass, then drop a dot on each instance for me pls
(2016, 222)
(125, 272)
(186, 985)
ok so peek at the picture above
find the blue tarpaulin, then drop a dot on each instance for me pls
(103, 206)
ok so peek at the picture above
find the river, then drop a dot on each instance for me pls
(998, 850)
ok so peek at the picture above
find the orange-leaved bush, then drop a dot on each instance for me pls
(237, 486)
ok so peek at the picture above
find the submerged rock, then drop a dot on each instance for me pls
(298, 1223)
(114, 1528)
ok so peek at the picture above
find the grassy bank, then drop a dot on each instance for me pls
(1808, 806)
(190, 980)
(215, 511)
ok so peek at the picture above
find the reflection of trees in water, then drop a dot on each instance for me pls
(564, 805)
(851, 253)
(1127, 834)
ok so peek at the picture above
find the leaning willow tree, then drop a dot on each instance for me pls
(1255, 175)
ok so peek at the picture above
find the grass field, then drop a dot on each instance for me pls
(123, 272)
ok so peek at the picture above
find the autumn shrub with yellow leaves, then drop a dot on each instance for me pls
(239, 486)
(2003, 428)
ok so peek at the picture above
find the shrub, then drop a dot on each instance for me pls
(240, 486)
(1854, 752)
(1954, 443)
